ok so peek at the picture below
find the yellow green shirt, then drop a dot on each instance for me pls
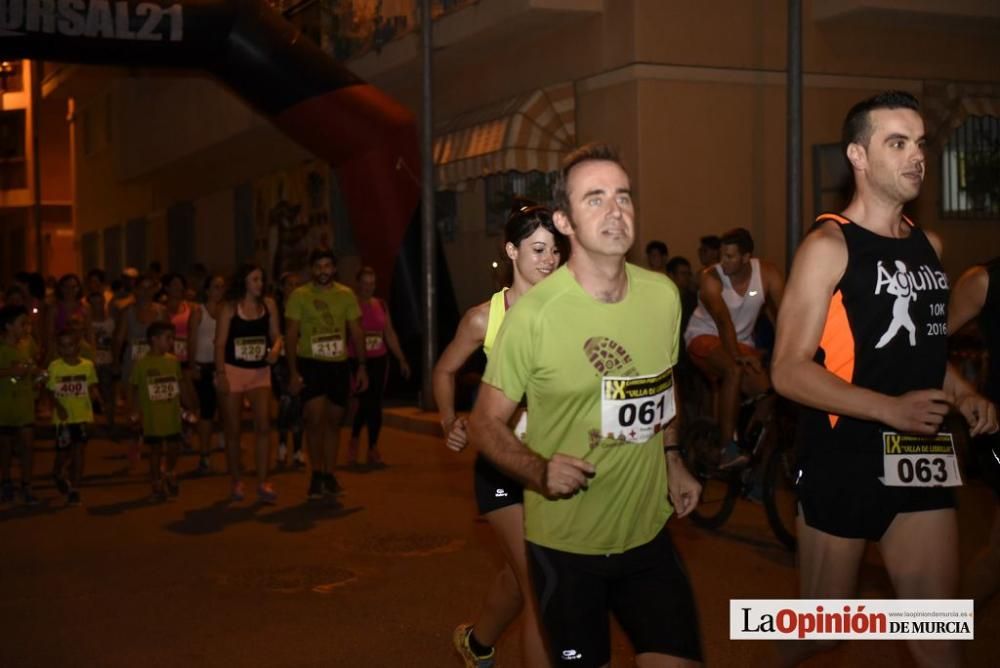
(156, 380)
(70, 383)
(598, 378)
(17, 395)
(322, 314)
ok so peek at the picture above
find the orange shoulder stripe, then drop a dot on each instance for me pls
(838, 343)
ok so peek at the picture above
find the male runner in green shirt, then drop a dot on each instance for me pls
(588, 350)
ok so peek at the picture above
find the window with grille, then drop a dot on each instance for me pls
(970, 170)
(501, 189)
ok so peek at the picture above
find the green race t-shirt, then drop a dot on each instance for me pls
(156, 380)
(599, 385)
(323, 314)
(17, 395)
(70, 383)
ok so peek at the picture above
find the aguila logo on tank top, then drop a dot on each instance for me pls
(904, 286)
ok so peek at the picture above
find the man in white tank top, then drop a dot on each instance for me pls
(719, 337)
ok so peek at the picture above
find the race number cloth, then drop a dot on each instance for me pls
(919, 461)
(250, 348)
(557, 347)
(327, 347)
(156, 381)
(181, 349)
(70, 383)
(374, 342)
(322, 312)
(635, 409)
(138, 350)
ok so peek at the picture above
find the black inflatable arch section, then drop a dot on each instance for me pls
(364, 134)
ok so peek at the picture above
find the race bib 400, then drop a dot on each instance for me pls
(919, 461)
(635, 408)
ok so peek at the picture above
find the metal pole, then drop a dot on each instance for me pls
(36, 208)
(793, 232)
(427, 228)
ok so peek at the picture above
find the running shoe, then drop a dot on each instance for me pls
(299, 459)
(733, 457)
(375, 459)
(331, 486)
(170, 484)
(204, 467)
(316, 486)
(282, 455)
(6, 492)
(27, 497)
(237, 494)
(266, 494)
(460, 639)
(61, 484)
(73, 498)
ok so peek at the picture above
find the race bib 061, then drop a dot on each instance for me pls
(635, 408)
(250, 348)
(163, 388)
(327, 346)
(919, 461)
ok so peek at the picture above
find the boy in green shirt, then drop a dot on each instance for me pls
(72, 389)
(17, 401)
(156, 389)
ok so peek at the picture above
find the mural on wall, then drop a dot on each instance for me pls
(292, 217)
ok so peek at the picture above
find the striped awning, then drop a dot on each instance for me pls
(527, 133)
(946, 106)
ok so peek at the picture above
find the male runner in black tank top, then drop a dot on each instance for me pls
(977, 295)
(861, 342)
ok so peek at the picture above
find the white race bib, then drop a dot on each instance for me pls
(919, 461)
(327, 346)
(138, 350)
(75, 386)
(373, 341)
(181, 349)
(635, 408)
(163, 388)
(250, 348)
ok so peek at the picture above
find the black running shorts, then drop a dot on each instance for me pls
(325, 379)
(70, 434)
(646, 588)
(495, 489)
(841, 495)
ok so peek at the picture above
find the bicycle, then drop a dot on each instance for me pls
(766, 425)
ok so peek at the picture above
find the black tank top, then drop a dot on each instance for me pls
(886, 330)
(248, 341)
(989, 322)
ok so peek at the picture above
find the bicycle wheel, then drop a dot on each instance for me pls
(719, 489)
(780, 473)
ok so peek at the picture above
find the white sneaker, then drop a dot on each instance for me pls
(282, 454)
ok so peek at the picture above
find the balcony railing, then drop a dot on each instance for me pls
(349, 29)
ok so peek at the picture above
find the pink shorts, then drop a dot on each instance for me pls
(244, 380)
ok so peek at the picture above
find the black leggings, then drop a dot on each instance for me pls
(370, 401)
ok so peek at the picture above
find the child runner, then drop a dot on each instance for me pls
(156, 389)
(17, 400)
(72, 389)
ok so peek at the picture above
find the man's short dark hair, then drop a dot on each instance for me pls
(711, 241)
(321, 254)
(739, 236)
(657, 245)
(8, 315)
(857, 125)
(158, 328)
(585, 153)
(98, 274)
(676, 263)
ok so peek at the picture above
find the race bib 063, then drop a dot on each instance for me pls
(163, 388)
(635, 408)
(250, 348)
(327, 346)
(919, 461)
